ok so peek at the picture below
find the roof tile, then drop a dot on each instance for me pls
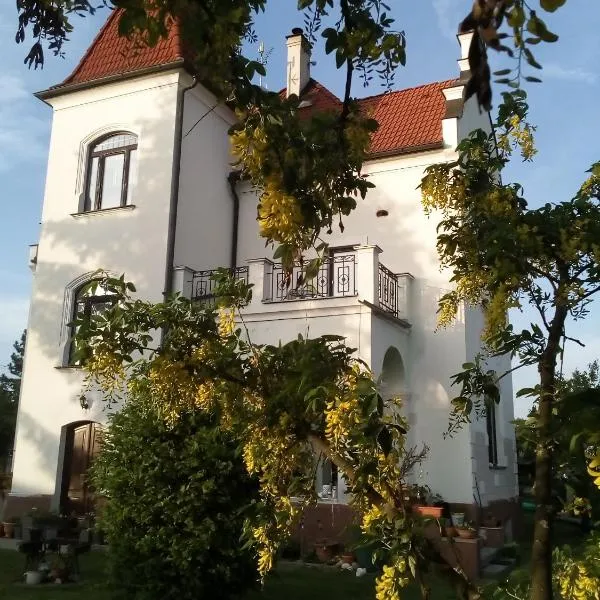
(111, 54)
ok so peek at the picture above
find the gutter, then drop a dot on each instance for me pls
(233, 178)
(174, 200)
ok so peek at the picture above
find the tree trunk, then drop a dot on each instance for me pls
(541, 554)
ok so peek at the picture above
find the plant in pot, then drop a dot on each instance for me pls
(449, 529)
(9, 527)
(434, 507)
(467, 532)
(324, 550)
(59, 570)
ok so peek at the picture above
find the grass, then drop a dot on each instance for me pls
(290, 582)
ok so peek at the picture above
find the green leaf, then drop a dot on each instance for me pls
(384, 439)
(551, 5)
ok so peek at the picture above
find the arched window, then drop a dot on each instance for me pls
(111, 172)
(90, 301)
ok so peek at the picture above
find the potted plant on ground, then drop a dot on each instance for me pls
(59, 570)
(9, 527)
(467, 532)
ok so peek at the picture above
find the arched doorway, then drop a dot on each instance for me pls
(392, 382)
(82, 444)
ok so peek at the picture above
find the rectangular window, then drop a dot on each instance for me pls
(490, 417)
(112, 181)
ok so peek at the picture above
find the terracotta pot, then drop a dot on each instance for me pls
(9, 530)
(430, 511)
(466, 534)
(324, 552)
(347, 557)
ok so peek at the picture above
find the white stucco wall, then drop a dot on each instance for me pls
(130, 241)
(205, 211)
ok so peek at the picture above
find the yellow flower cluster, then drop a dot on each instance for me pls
(518, 134)
(442, 188)
(343, 412)
(266, 549)
(391, 581)
(279, 215)
(226, 324)
(576, 583)
(371, 518)
(173, 387)
(107, 371)
(594, 470)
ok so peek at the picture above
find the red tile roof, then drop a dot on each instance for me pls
(110, 54)
(408, 119)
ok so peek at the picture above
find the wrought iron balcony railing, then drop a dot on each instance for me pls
(204, 286)
(336, 278)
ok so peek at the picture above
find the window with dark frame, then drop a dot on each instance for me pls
(111, 171)
(88, 302)
(490, 417)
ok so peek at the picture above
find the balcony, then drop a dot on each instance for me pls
(344, 275)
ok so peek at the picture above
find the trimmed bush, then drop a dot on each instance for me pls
(176, 498)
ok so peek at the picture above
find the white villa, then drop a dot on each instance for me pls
(135, 187)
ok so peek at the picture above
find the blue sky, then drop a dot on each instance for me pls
(564, 107)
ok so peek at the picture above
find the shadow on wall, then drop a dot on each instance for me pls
(127, 241)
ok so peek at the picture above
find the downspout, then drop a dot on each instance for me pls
(233, 178)
(174, 200)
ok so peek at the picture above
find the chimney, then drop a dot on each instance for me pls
(464, 39)
(298, 62)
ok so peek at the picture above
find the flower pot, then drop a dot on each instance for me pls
(324, 552)
(347, 557)
(466, 534)
(430, 511)
(450, 532)
(33, 577)
(458, 519)
(59, 575)
(9, 530)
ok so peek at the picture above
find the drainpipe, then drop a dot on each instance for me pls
(174, 201)
(233, 178)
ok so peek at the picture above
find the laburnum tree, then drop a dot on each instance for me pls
(286, 405)
(505, 255)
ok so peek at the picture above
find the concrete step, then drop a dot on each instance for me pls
(496, 570)
(487, 555)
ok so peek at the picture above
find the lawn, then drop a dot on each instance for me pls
(290, 582)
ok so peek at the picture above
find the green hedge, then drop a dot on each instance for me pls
(176, 500)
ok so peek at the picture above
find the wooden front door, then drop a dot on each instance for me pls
(82, 445)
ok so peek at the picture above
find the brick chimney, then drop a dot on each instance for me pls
(298, 62)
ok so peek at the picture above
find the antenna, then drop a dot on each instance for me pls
(263, 58)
